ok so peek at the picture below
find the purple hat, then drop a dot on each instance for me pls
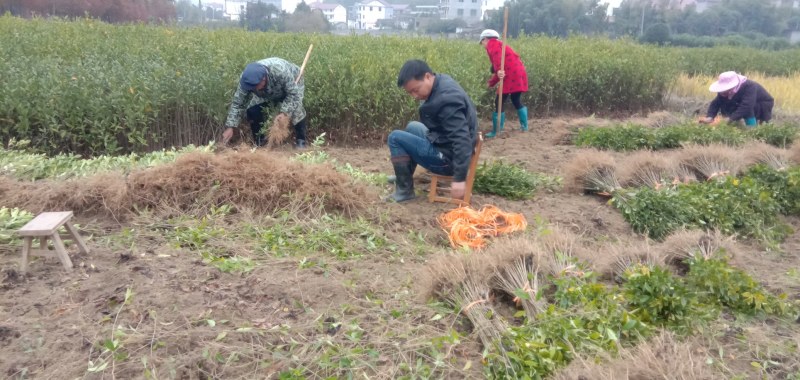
(727, 80)
(252, 75)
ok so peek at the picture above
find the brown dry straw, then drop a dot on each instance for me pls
(592, 171)
(646, 168)
(794, 153)
(279, 131)
(663, 357)
(762, 153)
(473, 296)
(711, 161)
(196, 181)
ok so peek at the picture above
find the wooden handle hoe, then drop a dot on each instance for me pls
(303, 67)
(502, 64)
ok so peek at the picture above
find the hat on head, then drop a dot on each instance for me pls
(252, 75)
(489, 33)
(727, 80)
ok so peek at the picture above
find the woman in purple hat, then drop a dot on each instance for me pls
(739, 99)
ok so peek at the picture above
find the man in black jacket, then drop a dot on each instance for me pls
(739, 99)
(443, 139)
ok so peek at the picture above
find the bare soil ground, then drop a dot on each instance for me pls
(141, 305)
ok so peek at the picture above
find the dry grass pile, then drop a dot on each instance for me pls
(763, 153)
(711, 161)
(646, 168)
(591, 171)
(794, 153)
(658, 119)
(196, 181)
(663, 357)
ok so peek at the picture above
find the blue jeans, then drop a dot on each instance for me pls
(413, 143)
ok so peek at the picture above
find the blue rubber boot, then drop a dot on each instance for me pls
(494, 126)
(523, 119)
(495, 131)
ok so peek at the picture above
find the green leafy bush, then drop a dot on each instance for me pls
(593, 320)
(629, 137)
(659, 298)
(736, 205)
(511, 181)
(720, 283)
(620, 138)
(784, 186)
(776, 135)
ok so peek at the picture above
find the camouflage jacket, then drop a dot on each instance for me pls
(280, 90)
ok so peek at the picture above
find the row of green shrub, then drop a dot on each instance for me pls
(30, 166)
(92, 88)
(748, 205)
(588, 318)
(629, 137)
(715, 60)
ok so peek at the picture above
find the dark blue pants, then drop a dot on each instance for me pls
(413, 143)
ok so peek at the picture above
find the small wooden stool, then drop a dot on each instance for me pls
(433, 194)
(44, 226)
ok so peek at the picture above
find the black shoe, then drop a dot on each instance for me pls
(404, 182)
(301, 144)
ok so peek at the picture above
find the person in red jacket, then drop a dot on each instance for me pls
(514, 77)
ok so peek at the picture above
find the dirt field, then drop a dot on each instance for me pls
(145, 304)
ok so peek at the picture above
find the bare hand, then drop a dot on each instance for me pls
(226, 136)
(457, 190)
(501, 74)
(705, 120)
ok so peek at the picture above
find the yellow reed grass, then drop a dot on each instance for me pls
(785, 90)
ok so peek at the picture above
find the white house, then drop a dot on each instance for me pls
(467, 10)
(334, 13)
(368, 13)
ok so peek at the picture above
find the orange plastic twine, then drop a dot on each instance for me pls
(467, 227)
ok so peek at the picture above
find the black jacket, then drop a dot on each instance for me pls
(452, 123)
(752, 100)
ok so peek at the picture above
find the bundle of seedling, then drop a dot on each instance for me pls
(511, 181)
(706, 187)
(538, 303)
(628, 137)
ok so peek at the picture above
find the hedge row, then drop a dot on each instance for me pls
(91, 88)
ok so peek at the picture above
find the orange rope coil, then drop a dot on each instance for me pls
(467, 227)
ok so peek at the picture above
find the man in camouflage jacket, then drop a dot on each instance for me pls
(268, 82)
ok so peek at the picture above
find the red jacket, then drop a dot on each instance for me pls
(516, 79)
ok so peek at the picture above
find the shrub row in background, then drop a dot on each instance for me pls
(629, 137)
(712, 61)
(91, 88)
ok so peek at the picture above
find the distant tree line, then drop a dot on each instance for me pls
(106, 10)
(758, 23)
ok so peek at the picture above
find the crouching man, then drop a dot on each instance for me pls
(443, 140)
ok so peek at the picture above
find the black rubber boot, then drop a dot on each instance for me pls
(404, 179)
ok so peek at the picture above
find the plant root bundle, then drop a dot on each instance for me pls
(279, 132)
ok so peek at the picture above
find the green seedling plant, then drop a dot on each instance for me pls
(11, 220)
(112, 349)
(718, 282)
(511, 181)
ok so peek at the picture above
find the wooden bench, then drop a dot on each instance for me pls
(44, 226)
(433, 194)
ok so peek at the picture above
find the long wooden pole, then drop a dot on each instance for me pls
(303, 67)
(502, 65)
